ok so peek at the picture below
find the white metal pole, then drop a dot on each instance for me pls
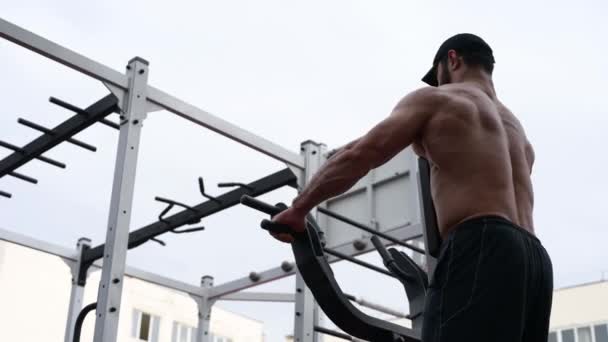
(204, 311)
(77, 292)
(306, 310)
(115, 253)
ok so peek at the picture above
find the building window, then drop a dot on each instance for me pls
(553, 337)
(183, 333)
(597, 333)
(584, 334)
(145, 326)
(601, 333)
(568, 335)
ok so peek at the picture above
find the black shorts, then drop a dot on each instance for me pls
(493, 282)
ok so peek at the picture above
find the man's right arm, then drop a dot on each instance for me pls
(337, 151)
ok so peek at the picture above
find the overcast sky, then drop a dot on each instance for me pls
(292, 71)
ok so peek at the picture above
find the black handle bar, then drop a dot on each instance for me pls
(271, 210)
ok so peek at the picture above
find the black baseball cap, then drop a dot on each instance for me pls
(463, 43)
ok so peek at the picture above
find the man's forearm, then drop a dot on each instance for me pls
(337, 151)
(336, 176)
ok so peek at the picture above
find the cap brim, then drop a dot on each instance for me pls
(431, 78)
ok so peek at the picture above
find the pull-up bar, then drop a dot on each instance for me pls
(229, 199)
(156, 98)
(57, 135)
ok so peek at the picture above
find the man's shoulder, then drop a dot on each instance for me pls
(432, 97)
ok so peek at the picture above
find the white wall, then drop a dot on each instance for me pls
(34, 297)
(580, 305)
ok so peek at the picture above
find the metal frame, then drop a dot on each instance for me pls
(77, 291)
(118, 82)
(306, 309)
(135, 98)
(432, 238)
(53, 137)
(207, 208)
(403, 233)
(117, 236)
(59, 134)
(71, 257)
(204, 304)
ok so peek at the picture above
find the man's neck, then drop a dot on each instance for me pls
(481, 80)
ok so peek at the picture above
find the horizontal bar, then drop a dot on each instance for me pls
(224, 128)
(160, 280)
(63, 131)
(232, 287)
(5, 194)
(231, 184)
(39, 245)
(333, 333)
(70, 256)
(260, 297)
(103, 73)
(210, 207)
(358, 262)
(110, 124)
(77, 110)
(62, 55)
(377, 307)
(22, 151)
(406, 232)
(67, 105)
(45, 130)
(23, 177)
(369, 229)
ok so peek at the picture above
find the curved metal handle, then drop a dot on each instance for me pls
(384, 254)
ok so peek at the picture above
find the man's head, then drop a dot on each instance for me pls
(458, 55)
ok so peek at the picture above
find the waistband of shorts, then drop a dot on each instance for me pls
(482, 220)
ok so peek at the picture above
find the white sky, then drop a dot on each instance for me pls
(292, 71)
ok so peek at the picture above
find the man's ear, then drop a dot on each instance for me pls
(454, 61)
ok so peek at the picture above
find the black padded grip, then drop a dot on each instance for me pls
(276, 227)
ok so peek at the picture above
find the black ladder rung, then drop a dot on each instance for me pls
(67, 129)
(23, 177)
(41, 158)
(77, 110)
(49, 131)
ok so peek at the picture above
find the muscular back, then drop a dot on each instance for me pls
(480, 159)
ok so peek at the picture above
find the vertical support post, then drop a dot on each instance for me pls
(77, 293)
(117, 236)
(371, 207)
(428, 218)
(204, 311)
(306, 309)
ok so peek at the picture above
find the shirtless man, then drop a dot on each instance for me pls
(493, 280)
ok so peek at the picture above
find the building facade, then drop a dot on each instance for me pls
(34, 298)
(580, 313)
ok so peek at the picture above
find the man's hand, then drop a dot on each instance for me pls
(293, 218)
